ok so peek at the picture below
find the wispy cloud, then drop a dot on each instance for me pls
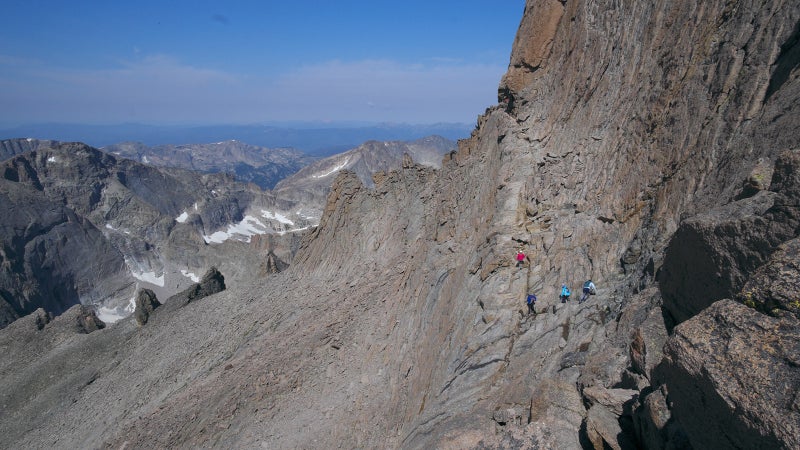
(160, 88)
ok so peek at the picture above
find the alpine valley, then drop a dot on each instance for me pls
(651, 147)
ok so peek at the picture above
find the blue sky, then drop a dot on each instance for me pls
(204, 62)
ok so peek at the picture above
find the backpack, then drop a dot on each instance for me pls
(531, 299)
(587, 285)
(592, 289)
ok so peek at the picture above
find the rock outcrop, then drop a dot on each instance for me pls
(733, 380)
(624, 130)
(12, 147)
(146, 303)
(713, 254)
(211, 283)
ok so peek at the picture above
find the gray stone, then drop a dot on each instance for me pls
(653, 424)
(618, 401)
(603, 430)
(146, 303)
(739, 367)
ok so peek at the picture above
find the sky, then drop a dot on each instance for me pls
(248, 62)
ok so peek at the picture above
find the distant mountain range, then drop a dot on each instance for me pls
(84, 226)
(249, 163)
(315, 139)
(89, 226)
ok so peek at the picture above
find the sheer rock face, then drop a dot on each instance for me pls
(51, 257)
(401, 322)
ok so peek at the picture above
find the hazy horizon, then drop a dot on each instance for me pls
(183, 64)
(315, 138)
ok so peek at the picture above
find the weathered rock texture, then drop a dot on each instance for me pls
(713, 254)
(733, 378)
(401, 322)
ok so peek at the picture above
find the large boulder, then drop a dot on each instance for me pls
(712, 255)
(733, 377)
(653, 424)
(146, 303)
(774, 287)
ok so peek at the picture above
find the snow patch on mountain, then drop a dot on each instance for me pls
(276, 216)
(184, 215)
(149, 277)
(111, 227)
(292, 230)
(113, 315)
(52, 159)
(242, 231)
(190, 276)
(334, 170)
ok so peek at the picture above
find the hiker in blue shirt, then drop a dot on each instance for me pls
(565, 293)
(531, 301)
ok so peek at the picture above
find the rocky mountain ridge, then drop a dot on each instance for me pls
(311, 184)
(249, 163)
(649, 147)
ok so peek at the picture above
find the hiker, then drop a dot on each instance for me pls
(588, 289)
(531, 301)
(565, 293)
(520, 258)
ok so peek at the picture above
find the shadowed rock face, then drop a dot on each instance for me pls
(401, 322)
(739, 367)
(713, 254)
(50, 257)
(12, 147)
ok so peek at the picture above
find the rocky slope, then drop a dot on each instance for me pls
(311, 184)
(650, 147)
(249, 163)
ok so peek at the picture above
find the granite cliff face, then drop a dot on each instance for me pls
(649, 147)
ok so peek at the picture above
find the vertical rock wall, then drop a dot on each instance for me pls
(616, 119)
